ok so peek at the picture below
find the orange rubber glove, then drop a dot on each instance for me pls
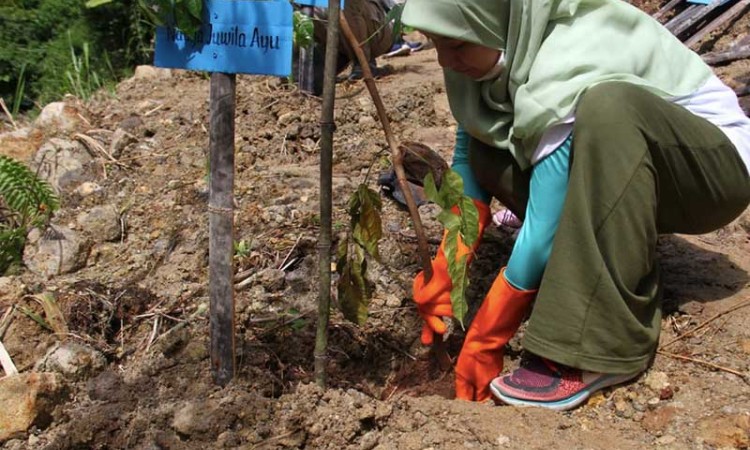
(481, 357)
(434, 298)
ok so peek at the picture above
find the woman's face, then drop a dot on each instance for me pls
(470, 59)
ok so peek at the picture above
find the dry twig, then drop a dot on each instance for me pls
(6, 320)
(7, 362)
(7, 113)
(704, 324)
(743, 376)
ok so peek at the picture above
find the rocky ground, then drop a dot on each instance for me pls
(121, 278)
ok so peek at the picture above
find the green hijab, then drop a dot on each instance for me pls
(554, 51)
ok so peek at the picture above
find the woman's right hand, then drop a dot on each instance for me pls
(434, 298)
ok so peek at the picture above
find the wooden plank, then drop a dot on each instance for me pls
(727, 56)
(727, 16)
(666, 8)
(687, 13)
(221, 226)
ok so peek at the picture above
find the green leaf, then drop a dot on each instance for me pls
(450, 220)
(95, 3)
(451, 188)
(195, 8)
(431, 191)
(303, 29)
(460, 280)
(469, 221)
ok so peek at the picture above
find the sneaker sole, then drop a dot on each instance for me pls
(569, 402)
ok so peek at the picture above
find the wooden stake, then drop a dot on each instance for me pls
(327, 126)
(438, 346)
(221, 226)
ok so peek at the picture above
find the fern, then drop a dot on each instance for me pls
(25, 201)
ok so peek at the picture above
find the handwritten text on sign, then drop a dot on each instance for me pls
(316, 3)
(238, 36)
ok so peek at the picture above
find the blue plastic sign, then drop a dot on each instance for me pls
(238, 36)
(315, 3)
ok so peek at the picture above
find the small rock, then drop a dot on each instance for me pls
(120, 140)
(658, 420)
(58, 115)
(183, 419)
(130, 124)
(199, 418)
(101, 223)
(666, 440)
(623, 409)
(87, 188)
(666, 393)
(392, 301)
(366, 120)
(21, 144)
(56, 251)
(28, 399)
(271, 279)
(502, 441)
(63, 164)
(76, 361)
(151, 73)
(745, 346)
(369, 441)
(656, 381)
(287, 118)
(692, 308)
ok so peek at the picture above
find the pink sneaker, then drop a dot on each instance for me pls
(505, 218)
(543, 383)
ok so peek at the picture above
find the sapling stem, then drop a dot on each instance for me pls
(438, 346)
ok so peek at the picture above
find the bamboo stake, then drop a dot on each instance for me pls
(438, 346)
(221, 227)
(327, 126)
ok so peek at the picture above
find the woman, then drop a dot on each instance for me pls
(600, 130)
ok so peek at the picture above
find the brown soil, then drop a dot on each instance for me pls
(141, 301)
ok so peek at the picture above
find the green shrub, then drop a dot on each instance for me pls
(37, 38)
(25, 201)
